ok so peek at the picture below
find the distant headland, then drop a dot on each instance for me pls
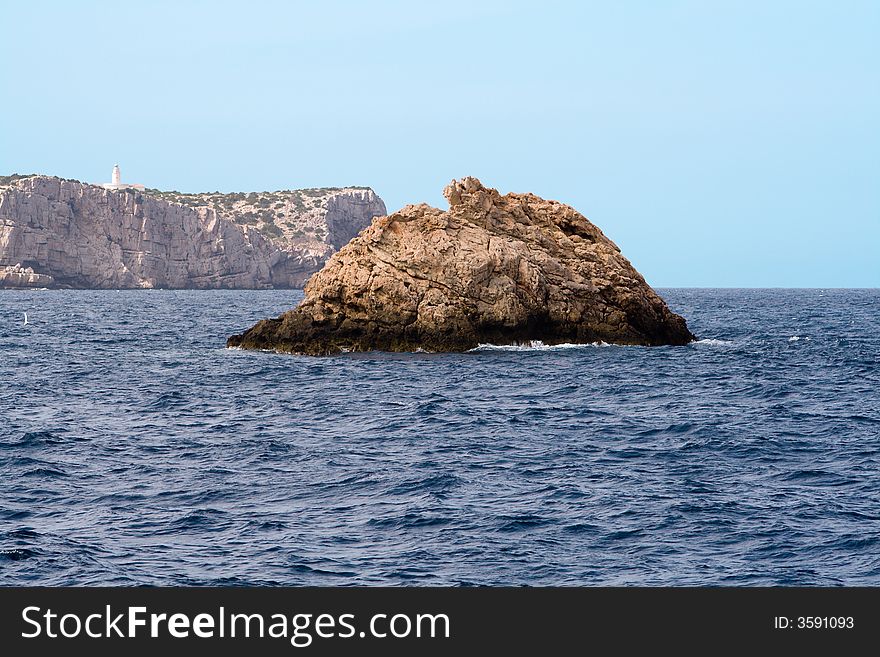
(58, 232)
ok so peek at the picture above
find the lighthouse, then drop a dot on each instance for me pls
(116, 181)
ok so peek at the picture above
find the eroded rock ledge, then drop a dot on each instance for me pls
(492, 269)
(16, 276)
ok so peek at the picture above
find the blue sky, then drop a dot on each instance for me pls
(718, 143)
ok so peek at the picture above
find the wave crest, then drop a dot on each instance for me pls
(537, 345)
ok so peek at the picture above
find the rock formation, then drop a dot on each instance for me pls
(85, 236)
(492, 269)
(16, 276)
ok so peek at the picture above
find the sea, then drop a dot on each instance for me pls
(135, 449)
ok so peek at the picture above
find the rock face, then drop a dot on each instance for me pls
(492, 269)
(311, 224)
(17, 276)
(84, 236)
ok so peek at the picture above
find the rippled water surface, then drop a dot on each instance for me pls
(135, 449)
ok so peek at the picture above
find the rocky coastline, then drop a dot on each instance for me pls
(86, 236)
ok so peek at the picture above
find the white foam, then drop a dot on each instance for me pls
(537, 345)
(795, 338)
(713, 341)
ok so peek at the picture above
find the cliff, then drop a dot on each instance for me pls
(84, 236)
(492, 269)
(320, 219)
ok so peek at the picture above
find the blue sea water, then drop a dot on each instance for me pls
(136, 449)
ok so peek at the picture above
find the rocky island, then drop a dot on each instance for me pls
(65, 233)
(493, 269)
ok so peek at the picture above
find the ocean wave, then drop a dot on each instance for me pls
(538, 345)
(17, 554)
(521, 522)
(33, 439)
(441, 483)
(410, 520)
(713, 341)
(44, 473)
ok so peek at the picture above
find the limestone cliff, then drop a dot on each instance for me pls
(319, 220)
(85, 236)
(492, 269)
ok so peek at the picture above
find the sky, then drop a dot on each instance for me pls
(719, 144)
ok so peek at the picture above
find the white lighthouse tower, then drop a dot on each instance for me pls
(116, 182)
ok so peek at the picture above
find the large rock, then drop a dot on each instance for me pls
(85, 236)
(492, 269)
